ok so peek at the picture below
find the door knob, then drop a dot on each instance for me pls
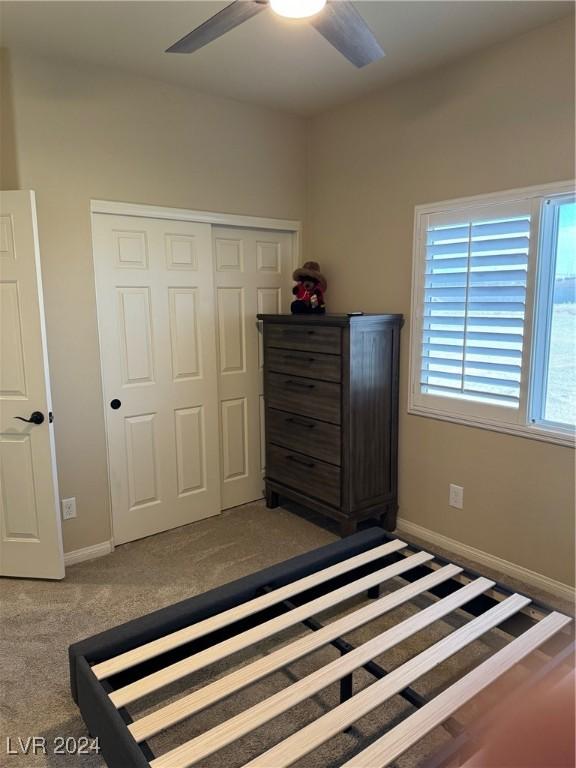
(35, 418)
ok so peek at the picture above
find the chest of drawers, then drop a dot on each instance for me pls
(331, 398)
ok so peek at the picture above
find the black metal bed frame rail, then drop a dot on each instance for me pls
(119, 748)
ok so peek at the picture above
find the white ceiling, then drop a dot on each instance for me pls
(267, 60)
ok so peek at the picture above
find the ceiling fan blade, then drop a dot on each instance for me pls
(228, 18)
(344, 28)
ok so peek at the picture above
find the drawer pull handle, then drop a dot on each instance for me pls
(300, 384)
(299, 359)
(301, 423)
(307, 464)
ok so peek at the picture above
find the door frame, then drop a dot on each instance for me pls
(143, 210)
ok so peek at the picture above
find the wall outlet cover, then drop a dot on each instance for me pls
(456, 498)
(68, 508)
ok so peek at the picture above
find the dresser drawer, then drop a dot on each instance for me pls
(307, 397)
(314, 365)
(308, 475)
(309, 436)
(309, 338)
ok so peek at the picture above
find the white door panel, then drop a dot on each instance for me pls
(30, 526)
(155, 293)
(253, 271)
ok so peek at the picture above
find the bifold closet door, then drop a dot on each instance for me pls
(253, 270)
(155, 294)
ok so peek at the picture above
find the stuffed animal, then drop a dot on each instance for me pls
(309, 291)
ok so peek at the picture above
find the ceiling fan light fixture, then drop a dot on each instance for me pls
(297, 9)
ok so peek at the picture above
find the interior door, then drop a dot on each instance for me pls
(155, 294)
(31, 537)
(253, 270)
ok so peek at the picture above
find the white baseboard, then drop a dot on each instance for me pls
(556, 588)
(88, 553)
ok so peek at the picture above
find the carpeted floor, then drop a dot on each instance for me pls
(40, 619)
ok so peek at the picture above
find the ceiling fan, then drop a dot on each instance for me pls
(337, 20)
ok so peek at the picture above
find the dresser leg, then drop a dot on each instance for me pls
(388, 519)
(348, 527)
(272, 499)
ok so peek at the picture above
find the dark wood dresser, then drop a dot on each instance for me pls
(331, 395)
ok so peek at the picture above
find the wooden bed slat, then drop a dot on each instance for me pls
(175, 639)
(500, 591)
(200, 747)
(390, 746)
(173, 713)
(169, 674)
(316, 733)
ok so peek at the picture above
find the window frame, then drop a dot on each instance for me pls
(498, 418)
(543, 306)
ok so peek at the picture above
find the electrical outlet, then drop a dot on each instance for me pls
(68, 508)
(456, 498)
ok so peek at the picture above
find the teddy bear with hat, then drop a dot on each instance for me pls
(309, 291)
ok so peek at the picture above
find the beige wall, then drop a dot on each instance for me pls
(84, 133)
(497, 120)
(8, 170)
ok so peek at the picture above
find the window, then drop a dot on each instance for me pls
(494, 312)
(554, 387)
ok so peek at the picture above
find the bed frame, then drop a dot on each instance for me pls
(115, 668)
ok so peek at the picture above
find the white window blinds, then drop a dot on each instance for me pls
(474, 297)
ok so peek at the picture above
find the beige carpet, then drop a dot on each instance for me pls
(40, 619)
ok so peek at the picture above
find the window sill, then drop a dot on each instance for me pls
(542, 434)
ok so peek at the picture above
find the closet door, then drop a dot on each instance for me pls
(253, 270)
(155, 294)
